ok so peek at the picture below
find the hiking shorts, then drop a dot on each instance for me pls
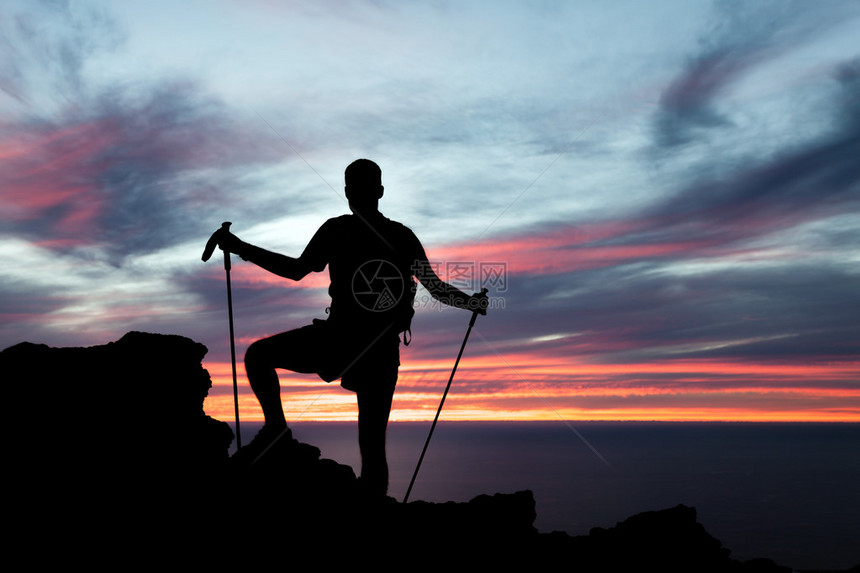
(332, 352)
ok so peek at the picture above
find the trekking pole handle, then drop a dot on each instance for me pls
(476, 311)
(213, 241)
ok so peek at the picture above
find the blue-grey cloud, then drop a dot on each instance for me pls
(46, 45)
(743, 36)
(815, 178)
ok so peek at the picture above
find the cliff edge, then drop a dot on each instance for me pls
(98, 463)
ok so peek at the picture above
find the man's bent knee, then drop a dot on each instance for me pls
(257, 355)
(287, 350)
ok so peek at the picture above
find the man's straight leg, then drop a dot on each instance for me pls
(374, 407)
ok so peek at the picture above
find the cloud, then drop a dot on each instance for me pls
(124, 173)
(743, 36)
(815, 178)
(848, 104)
(130, 167)
(95, 178)
(46, 45)
(687, 104)
(753, 265)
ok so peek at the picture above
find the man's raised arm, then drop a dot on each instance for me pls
(281, 265)
(444, 292)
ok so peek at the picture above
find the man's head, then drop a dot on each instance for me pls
(364, 187)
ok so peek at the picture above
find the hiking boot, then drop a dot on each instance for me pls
(267, 439)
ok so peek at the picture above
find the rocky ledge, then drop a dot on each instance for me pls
(100, 463)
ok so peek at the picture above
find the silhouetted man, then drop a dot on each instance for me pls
(371, 261)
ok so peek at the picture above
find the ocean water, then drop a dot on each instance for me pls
(788, 492)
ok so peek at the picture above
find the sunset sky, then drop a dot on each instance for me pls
(663, 198)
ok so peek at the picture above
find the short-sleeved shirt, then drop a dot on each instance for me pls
(371, 261)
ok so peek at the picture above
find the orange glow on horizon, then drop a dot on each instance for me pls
(696, 390)
(342, 408)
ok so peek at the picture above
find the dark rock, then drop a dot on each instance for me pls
(116, 451)
(116, 421)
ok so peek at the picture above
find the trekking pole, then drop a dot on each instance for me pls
(444, 395)
(207, 252)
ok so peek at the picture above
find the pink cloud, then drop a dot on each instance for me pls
(56, 168)
(566, 249)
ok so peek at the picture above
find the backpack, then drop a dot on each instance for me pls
(394, 305)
